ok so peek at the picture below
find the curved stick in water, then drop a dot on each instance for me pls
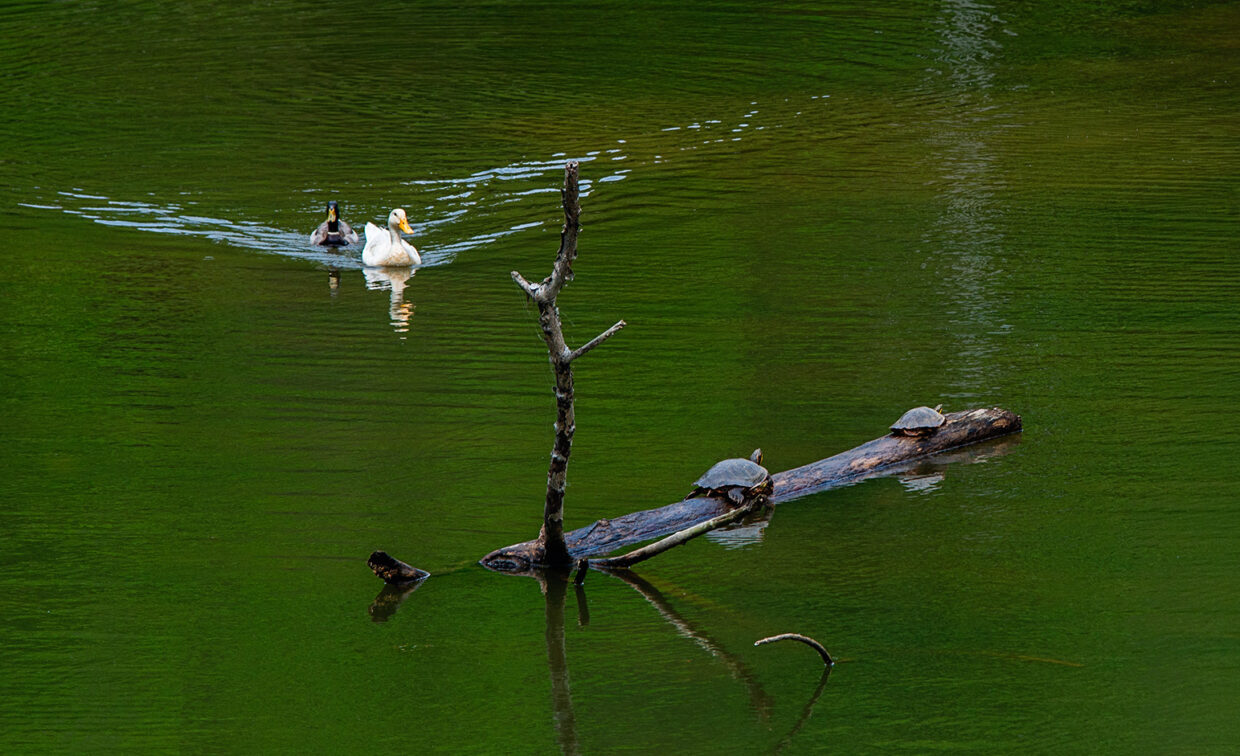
(826, 657)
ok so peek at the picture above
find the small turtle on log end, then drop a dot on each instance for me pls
(919, 421)
(738, 480)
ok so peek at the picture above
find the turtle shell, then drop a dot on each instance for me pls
(918, 421)
(733, 472)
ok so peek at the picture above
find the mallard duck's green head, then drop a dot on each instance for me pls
(333, 216)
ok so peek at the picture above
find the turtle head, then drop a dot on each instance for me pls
(756, 457)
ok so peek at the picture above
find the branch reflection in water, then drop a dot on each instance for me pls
(554, 586)
(555, 590)
(806, 711)
(759, 699)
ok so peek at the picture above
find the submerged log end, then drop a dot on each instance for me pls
(965, 427)
(996, 419)
(393, 571)
(518, 558)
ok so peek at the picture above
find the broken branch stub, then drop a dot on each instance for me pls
(550, 549)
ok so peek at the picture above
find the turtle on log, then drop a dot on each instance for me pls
(919, 421)
(738, 480)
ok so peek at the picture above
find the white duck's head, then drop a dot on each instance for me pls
(398, 220)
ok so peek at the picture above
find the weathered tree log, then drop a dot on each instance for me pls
(872, 458)
(961, 429)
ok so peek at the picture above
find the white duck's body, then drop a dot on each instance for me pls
(387, 248)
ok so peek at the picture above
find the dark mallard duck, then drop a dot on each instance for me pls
(334, 232)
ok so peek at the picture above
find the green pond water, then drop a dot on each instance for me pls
(812, 215)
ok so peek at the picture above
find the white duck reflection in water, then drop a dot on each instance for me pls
(393, 279)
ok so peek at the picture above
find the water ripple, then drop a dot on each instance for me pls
(502, 198)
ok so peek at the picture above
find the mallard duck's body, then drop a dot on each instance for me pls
(334, 232)
(387, 248)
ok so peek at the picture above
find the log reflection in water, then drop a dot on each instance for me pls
(390, 599)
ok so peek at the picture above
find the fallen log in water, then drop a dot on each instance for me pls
(871, 458)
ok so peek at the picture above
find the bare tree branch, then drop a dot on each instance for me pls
(679, 537)
(605, 335)
(531, 290)
(562, 272)
(822, 651)
(551, 550)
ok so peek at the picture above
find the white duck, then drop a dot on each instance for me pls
(387, 248)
